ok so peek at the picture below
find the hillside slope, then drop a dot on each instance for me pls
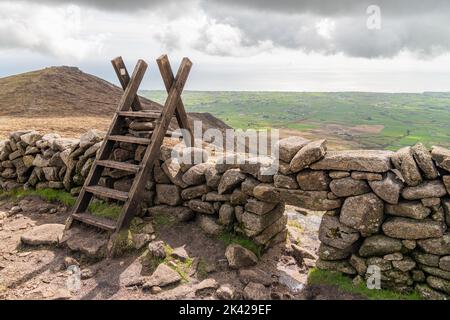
(66, 100)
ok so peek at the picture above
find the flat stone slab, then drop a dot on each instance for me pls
(355, 160)
(87, 241)
(45, 234)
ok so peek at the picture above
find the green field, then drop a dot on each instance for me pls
(407, 118)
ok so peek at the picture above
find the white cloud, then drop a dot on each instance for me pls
(56, 31)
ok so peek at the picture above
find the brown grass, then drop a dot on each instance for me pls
(69, 127)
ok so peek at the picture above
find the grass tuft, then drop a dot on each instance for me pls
(344, 283)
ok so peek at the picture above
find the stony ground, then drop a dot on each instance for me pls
(30, 272)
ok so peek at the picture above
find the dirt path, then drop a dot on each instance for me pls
(28, 272)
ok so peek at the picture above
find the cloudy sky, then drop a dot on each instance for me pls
(288, 45)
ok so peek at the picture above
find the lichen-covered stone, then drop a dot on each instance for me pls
(229, 180)
(424, 161)
(363, 213)
(404, 228)
(307, 155)
(388, 189)
(379, 245)
(355, 160)
(335, 234)
(313, 180)
(408, 209)
(441, 156)
(347, 187)
(403, 160)
(427, 189)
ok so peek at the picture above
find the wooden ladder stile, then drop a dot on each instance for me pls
(173, 107)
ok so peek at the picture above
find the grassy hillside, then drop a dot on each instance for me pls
(367, 120)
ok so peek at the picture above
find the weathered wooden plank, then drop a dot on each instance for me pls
(107, 192)
(99, 222)
(124, 79)
(124, 166)
(180, 112)
(129, 139)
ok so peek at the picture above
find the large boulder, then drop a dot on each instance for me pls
(355, 160)
(427, 189)
(45, 234)
(379, 245)
(404, 228)
(288, 147)
(388, 189)
(230, 180)
(363, 213)
(403, 160)
(335, 234)
(310, 153)
(240, 257)
(347, 187)
(442, 157)
(424, 161)
(313, 180)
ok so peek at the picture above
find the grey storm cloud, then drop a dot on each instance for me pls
(417, 26)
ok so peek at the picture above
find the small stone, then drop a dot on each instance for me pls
(369, 176)
(409, 244)
(341, 266)
(194, 192)
(339, 174)
(426, 259)
(156, 249)
(180, 254)
(256, 291)
(330, 253)
(240, 257)
(431, 202)
(225, 292)
(196, 174)
(256, 275)
(206, 287)
(69, 261)
(359, 264)
(396, 256)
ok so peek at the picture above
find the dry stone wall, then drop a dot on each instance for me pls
(385, 209)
